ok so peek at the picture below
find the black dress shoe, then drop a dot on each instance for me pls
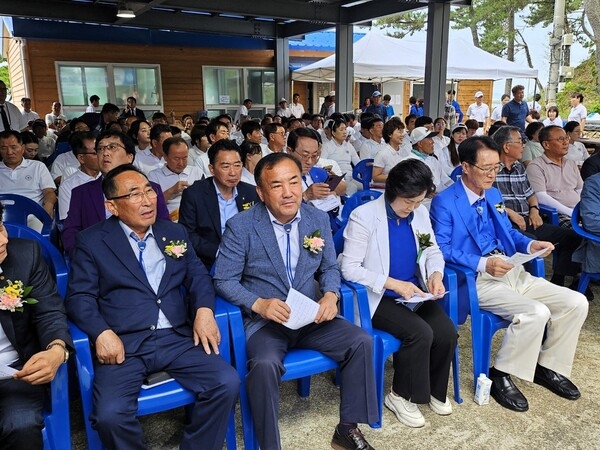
(354, 440)
(507, 394)
(557, 383)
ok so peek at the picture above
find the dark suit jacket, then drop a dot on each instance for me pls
(250, 263)
(138, 113)
(109, 290)
(87, 208)
(33, 329)
(199, 214)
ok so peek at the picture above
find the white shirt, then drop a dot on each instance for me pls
(557, 121)
(146, 161)
(387, 158)
(67, 184)
(534, 105)
(297, 110)
(30, 116)
(287, 112)
(15, 119)
(369, 149)
(345, 155)
(198, 158)
(28, 179)
(62, 163)
(440, 179)
(51, 118)
(90, 108)
(497, 113)
(578, 153)
(242, 111)
(578, 113)
(248, 177)
(478, 112)
(167, 179)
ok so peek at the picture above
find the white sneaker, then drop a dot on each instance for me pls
(443, 409)
(407, 412)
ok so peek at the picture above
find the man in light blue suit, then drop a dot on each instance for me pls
(125, 293)
(264, 252)
(473, 229)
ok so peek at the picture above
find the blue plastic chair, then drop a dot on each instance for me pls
(18, 208)
(550, 212)
(484, 324)
(150, 401)
(300, 364)
(61, 147)
(56, 433)
(357, 199)
(363, 172)
(456, 173)
(585, 277)
(386, 344)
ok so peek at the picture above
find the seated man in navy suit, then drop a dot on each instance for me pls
(87, 206)
(472, 228)
(125, 293)
(34, 340)
(208, 204)
(265, 252)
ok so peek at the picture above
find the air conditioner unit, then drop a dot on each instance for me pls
(566, 71)
(567, 39)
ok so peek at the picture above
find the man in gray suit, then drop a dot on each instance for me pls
(264, 252)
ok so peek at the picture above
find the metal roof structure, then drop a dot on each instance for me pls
(255, 18)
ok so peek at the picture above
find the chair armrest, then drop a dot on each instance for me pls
(347, 303)
(551, 212)
(467, 290)
(536, 267)
(451, 298)
(362, 301)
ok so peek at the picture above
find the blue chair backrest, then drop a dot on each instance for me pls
(61, 147)
(456, 173)
(18, 208)
(575, 219)
(357, 199)
(363, 172)
(50, 253)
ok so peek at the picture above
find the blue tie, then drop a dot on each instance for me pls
(141, 244)
(479, 205)
(288, 254)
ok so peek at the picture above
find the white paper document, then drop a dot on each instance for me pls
(521, 258)
(6, 372)
(304, 310)
(418, 299)
(328, 203)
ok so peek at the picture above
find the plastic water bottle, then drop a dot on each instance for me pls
(482, 391)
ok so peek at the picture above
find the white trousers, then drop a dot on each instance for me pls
(533, 305)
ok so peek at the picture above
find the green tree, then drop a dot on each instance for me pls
(4, 72)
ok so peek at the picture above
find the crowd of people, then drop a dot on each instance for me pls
(247, 209)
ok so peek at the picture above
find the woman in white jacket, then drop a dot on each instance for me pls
(390, 248)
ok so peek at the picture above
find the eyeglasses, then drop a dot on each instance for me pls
(111, 148)
(489, 170)
(560, 139)
(306, 157)
(521, 141)
(87, 153)
(136, 197)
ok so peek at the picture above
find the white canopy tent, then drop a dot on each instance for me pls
(378, 57)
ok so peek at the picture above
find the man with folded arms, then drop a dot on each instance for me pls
(472, 228)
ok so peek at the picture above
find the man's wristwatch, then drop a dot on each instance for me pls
(337, 296)
(534, 207)
(55, 344)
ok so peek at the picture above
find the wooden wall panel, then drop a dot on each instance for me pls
(16, 71)
(465, 94)
(181, 68)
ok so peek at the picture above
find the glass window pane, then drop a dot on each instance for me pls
(124, 84)
(96, 83)
(71, 86)
(147, 92)
(222, 86)
(261, 86)
(211, 86)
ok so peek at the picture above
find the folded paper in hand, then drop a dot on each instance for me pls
(304, 310)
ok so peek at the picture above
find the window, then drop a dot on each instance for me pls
(113, 83)
(225, 88)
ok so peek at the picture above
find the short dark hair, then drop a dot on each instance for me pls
(495, 127)
(77, 141)
(422, 121)
(532, 128)
(472, 124)
(134, 129)
(578, 95)
(94, 98)
(545, 133)
(248, 148)
(212, 128)
(159, 115)
(407, 179)
(109, 108)
(373, 120)
(109, 187)
(517, 88)
(390, 126)
(452, 91)
(504, 96)
(571, 125)
(125, 140)
(470, 147)
(8, 133)
(197, 132)
(270, 161)
(220, 117)
(172, 141)
(159, 129)
(504, 134)
(75, 121)
(25, 99)
(27, 137)
(224, 145)
(132, 98)
(387, 97)
(250, 126)
(271, 128)
(293, 137)
(408, 118)
(552, 108)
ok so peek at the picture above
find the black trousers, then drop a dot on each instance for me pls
(21, 419)
(422, 365)
(567, 241)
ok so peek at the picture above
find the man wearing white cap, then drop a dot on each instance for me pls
(422, 142)
(284, 110)
(376, 107)
(480, 112)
